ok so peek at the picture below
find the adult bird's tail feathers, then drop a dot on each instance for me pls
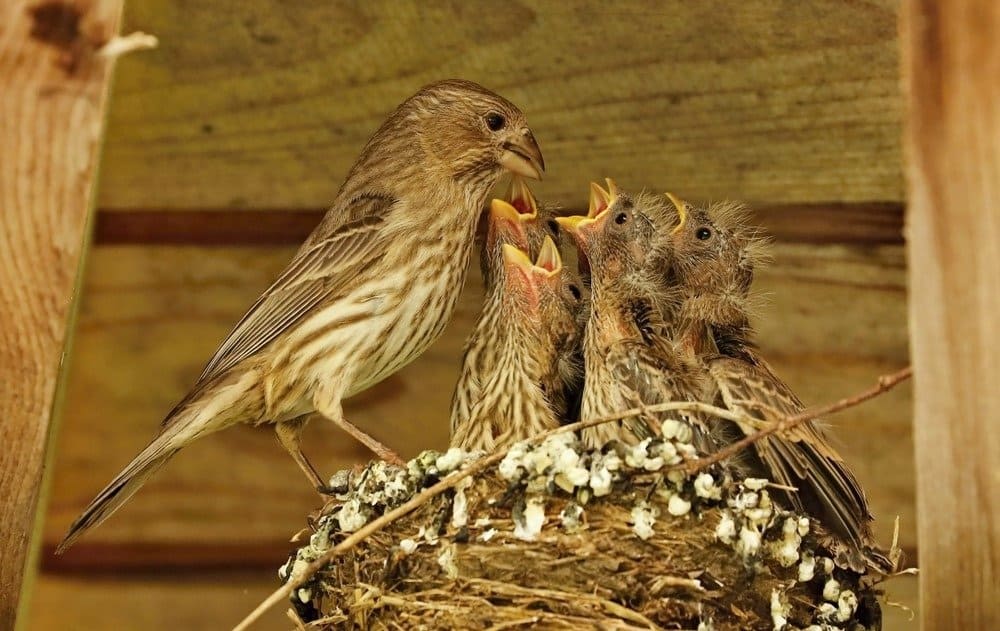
(125, 484)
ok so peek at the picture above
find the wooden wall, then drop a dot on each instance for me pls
(225, 144)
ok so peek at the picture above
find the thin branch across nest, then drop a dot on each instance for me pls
(648, 536)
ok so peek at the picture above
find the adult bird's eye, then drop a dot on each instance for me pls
(495, 121)
(573, 289)
(621, 218)
(703, 234)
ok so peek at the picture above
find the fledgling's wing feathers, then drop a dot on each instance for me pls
(315, 274)
(802, 457)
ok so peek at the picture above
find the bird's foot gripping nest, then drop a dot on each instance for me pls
(557, 536)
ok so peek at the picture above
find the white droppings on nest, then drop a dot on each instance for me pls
(803, 526)
(460, 504)
(780, 609)
(529, 520)
(678, 506)
(428, 534)
(786, 549)
(568, 472)
(408, 546)
(755, 484)
(748, 543)
(447, 561)
(705, 487)
(602, 472)
(304, 594)
(351, 516)
(847, 605)
(828, 565)
(643, 518)
(320, 540)
(450, 460)
(510, 468)
(488, 534)
(807, 568)
(831, 590)
(571, 517)
(725, 531)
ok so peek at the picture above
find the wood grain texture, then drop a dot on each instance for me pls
(161, 601)
(858, 223)
(834, 319)
(51, 116)
(265, 105)
(953, 149)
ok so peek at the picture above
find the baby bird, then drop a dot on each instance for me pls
(520, 221)
(528, 326)
(628, 357)
(710, 256)
(536, 221)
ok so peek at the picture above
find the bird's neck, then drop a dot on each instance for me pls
(610, 320)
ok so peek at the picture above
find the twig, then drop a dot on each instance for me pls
(884, 383)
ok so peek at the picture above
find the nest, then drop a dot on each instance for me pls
(559, 537)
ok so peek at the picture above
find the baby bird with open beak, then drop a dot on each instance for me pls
(519, 221)
(710, 258)
(629, 358)
(527, 330)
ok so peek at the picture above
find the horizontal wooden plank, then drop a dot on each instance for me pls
(861, 223)
(151, 315)
(193, 601)
(247, 106)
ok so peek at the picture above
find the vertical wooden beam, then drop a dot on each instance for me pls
(53, 88)
(951, 68)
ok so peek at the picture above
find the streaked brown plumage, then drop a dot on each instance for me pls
(370, 289)
(628, 356)
(518, 220)
(711, 256)
(528, 325)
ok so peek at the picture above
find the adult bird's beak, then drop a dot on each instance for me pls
(681, 212)
(522, 156)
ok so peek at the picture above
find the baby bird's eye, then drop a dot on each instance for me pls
(495, 121)
(703, 234)
(621, 218)
(573, 289)
(553, 227)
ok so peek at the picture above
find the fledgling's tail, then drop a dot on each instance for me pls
(154, 456)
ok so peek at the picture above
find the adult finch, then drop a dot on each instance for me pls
(370, 289)
(522, 384)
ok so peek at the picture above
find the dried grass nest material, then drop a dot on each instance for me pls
(560, 537)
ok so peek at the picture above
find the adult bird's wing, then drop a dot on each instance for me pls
(801, 457)
(317, 272)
